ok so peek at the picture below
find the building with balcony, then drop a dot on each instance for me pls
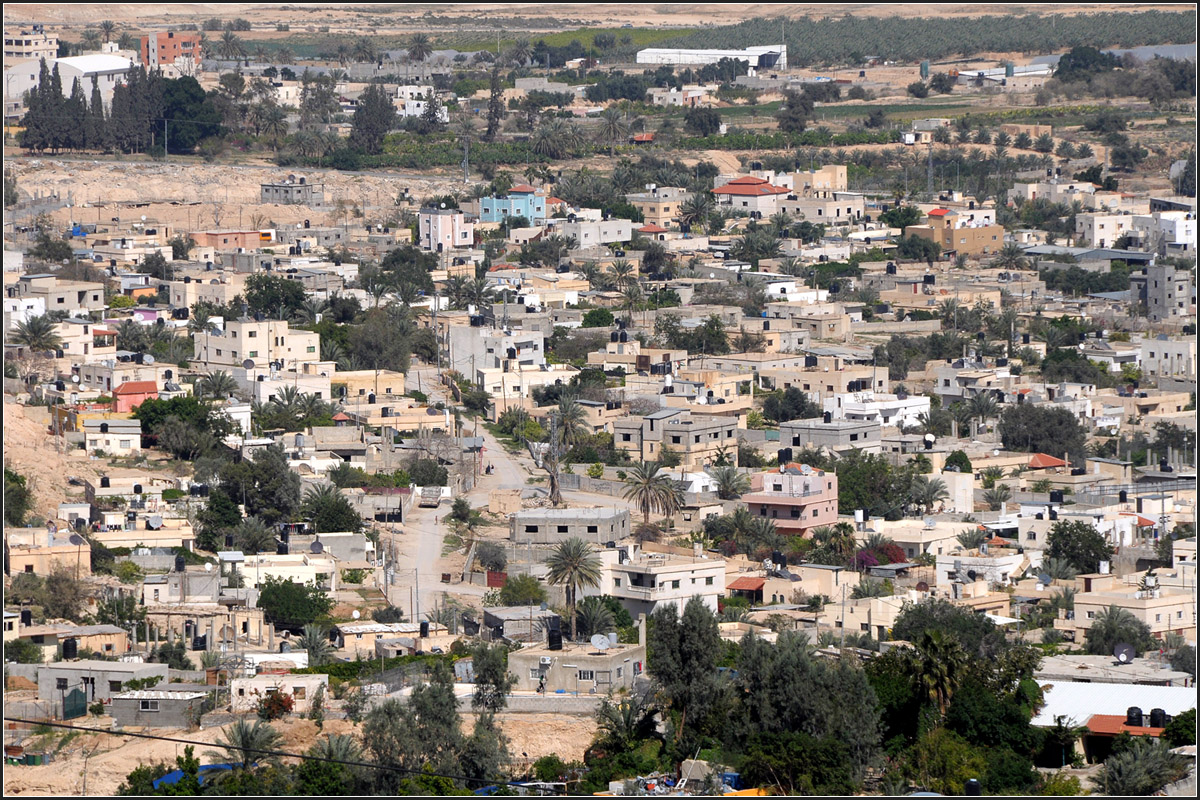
(643, 581)
(960, 233)
(884, 409)
(521, 201)
(796, 497)
(444, 229)
(177, 52)
(660, 204)
(30, 43)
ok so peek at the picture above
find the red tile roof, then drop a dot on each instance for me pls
(747, 180)
(136, 387)
(522, 188)
(747, 584)
(340, 417)
(651, 228)
(1043, 461)
(760, 189)
(939, 212)
(554, 201)
(1142, 522)
(1114, 725)
(643, 137)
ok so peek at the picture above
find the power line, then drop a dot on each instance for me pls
(276, 753)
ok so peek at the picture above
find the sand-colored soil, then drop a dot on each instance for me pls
(110, 757)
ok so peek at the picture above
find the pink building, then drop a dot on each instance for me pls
(796, 498)
(131, 394)
(444, 229)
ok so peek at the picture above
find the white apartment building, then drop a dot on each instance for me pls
(444, 229)
(1175, 229)
(302, 568)
(258, 341)
(601, 232)
(473, 350)
(22, 309)
(886, 409)
(1101, 230)
(646, 581)
(29, 43)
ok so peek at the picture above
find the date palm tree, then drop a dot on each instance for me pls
(695, 209)
(868, 587)
(650, 489)
(1010, 256)
(521, 51)
(230, 47)
(419, 47)
(107, 27)
(971, 538)
(983, 406)
(315, 642)
(927, 492)
(941, 663)
(1115, 625)
(612, 128)
(594, 617)
(38, 334)
(247, 742)
(996, 496)
(573, 564)
(218, 384)
(253, 536)
(572, 421)
(91, 40)
(275, 125)
(622, 273)
(731, 484)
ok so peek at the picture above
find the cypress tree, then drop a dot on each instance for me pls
(120, 119)
(35, 135)
(56, 117)
(495, 106)
(76, 118)
(97, 129)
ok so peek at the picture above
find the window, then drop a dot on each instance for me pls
(587, 675)
(1031, 537)
(625, 437)
(592, 529)
(562, 528)
(1091, 615)
(708, 581)
(674, 584)
(534, 673)
(617, 583)
(311, 349)
(531, 528)
(299, 692)
(1158, 617)
(60, 684)
(148, 705)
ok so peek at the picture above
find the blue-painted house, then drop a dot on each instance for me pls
(521, 201)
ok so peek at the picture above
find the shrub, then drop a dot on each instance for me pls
(274, 705)
(595, 471)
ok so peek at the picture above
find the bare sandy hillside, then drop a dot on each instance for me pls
(111, 757)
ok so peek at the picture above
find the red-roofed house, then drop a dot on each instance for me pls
(131, 394)
(959, 233)
(654, 232)
(642, 138)
(752, 194)
(1043, 461)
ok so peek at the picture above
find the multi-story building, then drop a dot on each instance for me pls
(576, 667)
(1167, 232)
(756, 195)
(174, 52)
(73, 297)
(795, 497)
(1164, 609)
(659, 204)
(444, 229)
(553, 525)
(116, 437)
(834, 434)
(1101, 230)
(1168, 292)
(31, 43)
(644, 581)
(841, 208)
(521, 201)
(108, 70)
(471, 349)
(697, 440)
(261, 342)
(959, 233)
(885, 409)
(1170, 361)
(823, 182)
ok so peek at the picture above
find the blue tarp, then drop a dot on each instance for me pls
(205, 772)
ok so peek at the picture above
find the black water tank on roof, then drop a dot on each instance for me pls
(70, 649)
(1133, 717)
(424, 629)
(26, 617)
(180, 563)
(1158, 718)
(104, 482)
(828, 417)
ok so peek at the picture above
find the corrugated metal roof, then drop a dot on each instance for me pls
(1080, 701)
(150, 694)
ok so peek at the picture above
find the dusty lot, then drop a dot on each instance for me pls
(110, 757)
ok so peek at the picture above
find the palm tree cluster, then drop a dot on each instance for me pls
(290, 410)
(573, 565)
(653, 491)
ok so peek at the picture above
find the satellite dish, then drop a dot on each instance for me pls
(74, 379)
(929, 437)
(1045, 579)
(248, 364)
(1124, 653)
(76, 539)
(317, 547)
(601, 642)
(995, 452)
(143, 217)
(208, 567)
(356, 615)
(147, 359)
(922, 586)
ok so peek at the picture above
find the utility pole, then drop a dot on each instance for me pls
(165, 148)
(843, 616)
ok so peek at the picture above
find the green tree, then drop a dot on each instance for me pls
(39, 334)
(273, 295)
(292, 605)
(795, 763)
(1079, 544)
(122, 611)
(315, 642)
(249, 744)
(702, 121)
(918, 89)
(265, 484)
(373, 119)
(794, 112)
(493, 682)
(1143, 769)
(419, 47)
(1181, 730)
(330, 511)
(731, 483)
(598, 318)
(18, 498)
(573, 564)
(522, 590)
(1031, 428)
(959, 459)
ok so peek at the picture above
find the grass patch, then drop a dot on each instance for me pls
(451, 543)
